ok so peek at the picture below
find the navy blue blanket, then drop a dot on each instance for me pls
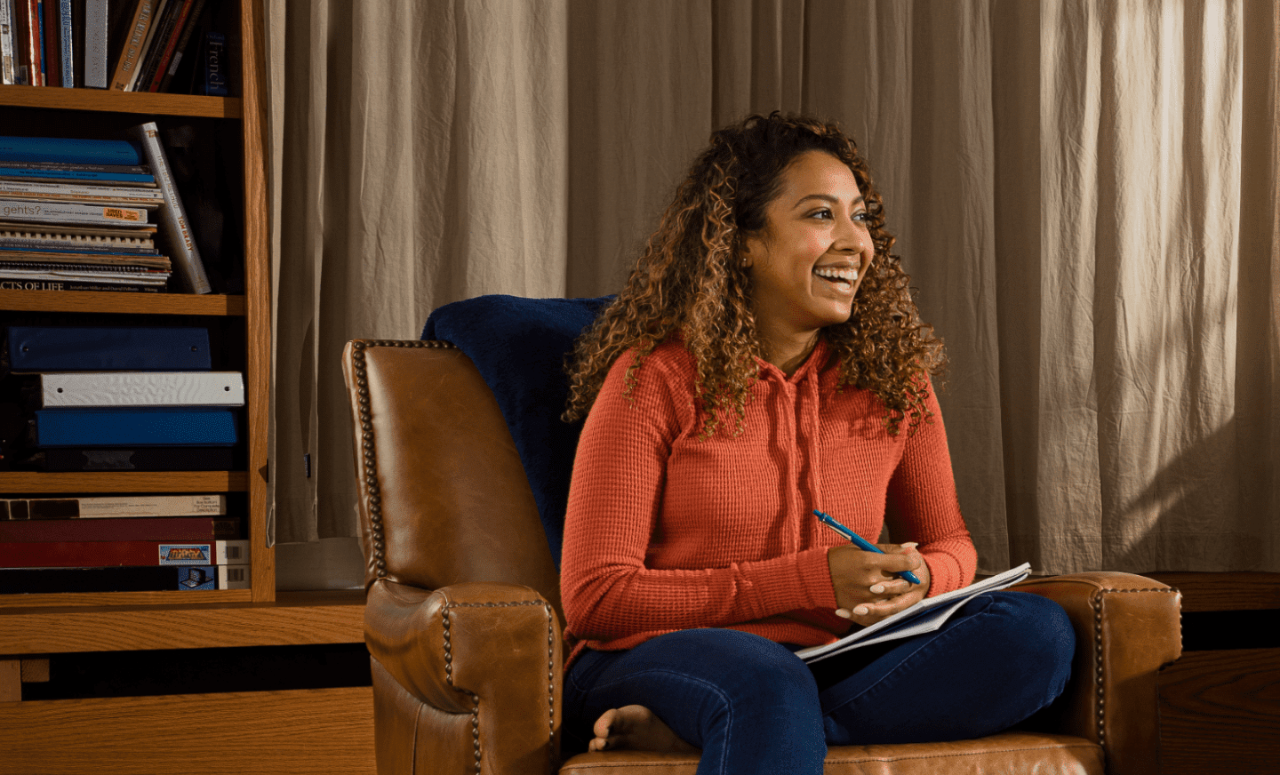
(519, 346)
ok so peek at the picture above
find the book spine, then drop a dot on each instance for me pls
(67, 59)
(70, 213)
(215, 76)
(95, 44)
(157, 578)
(112, 506)
(78, 285)
(31, 41)
(170, 45)
(233, 576)
(50, 34)
(150, 427)
(76, 167)
(173, 218)
(160, 30)
(140, 179)
(55, 193)
(159, 529)
(153, 23)
(39, 23)
(73, 245)
(85, 248)
(137, 33)
(136, 459)
(183, 42)
(73, 348)
(101, 275)
(102, 389)
(7, 74)
(88, 554)
(70, 151)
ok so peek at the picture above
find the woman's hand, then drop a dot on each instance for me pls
(866, 587)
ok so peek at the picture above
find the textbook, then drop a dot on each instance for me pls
(925, 616)
(120, 529)
(100, 554)
(113, 507)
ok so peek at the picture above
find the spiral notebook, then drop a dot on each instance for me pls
(926, 616)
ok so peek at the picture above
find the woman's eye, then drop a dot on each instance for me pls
(824, 214)
(862, 216)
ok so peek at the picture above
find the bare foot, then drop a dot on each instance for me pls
(634, 727)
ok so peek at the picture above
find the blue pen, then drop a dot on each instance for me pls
(861, 542)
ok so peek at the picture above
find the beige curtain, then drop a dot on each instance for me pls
(1085, 195)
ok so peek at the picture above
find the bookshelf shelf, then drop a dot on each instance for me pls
(35, 482)
(130, 303)
(101, 100)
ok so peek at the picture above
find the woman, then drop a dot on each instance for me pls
(766, 359)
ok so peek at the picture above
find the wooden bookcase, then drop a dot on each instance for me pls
(240, 322)
(302, 730)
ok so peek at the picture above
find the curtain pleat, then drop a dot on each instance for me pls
(1084, 193)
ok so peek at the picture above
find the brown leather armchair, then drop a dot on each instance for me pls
(463, 617)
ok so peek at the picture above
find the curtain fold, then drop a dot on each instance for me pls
(1084, 193)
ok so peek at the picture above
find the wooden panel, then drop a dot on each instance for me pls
(1220, 712)
(297, 619)
(258, 282)
(120, 102)
(302, 732)
(123, 481)
(131, 303)
(1224, 591)
(10, 680)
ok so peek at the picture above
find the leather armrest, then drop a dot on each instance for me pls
(491, 650)
(1127, 627)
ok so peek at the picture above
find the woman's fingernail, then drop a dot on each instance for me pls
(910, 545)
(861, 610)
(877, 589)
(843, 613)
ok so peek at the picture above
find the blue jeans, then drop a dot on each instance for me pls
(752, 705)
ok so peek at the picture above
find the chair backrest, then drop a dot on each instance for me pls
(443, 496)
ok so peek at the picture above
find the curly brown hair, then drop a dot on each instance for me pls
(691, 280)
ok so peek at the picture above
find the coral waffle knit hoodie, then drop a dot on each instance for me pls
(667, 531)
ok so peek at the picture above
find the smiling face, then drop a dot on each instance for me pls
(808, 261)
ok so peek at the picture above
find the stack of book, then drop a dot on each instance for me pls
(121, 544)
(129, 45)
(83, 215)
(124, 399)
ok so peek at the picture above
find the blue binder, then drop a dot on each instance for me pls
(149, 427)
(58, 348)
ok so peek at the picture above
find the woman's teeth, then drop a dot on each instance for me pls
(835, 275)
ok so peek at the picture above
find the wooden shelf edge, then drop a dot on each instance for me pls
(106, 302)
(105, 101)
(38, 482)
(294, 619)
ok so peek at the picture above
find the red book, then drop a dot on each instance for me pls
(123, 529)
(170, 45)
(51, 33)
(28, 39)
(101, 554)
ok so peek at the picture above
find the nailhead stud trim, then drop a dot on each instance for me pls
(368, 447)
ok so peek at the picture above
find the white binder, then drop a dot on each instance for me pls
(142, 388)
